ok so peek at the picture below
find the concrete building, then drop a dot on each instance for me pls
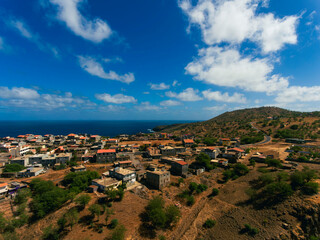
(3, 190)
(188, 142)
(212, 152)
(179, 168)
(31, 172)
(167, 151)
(158, 179)
(63, 158)
(23, 161)
(106, 183)
(79, 168)
(106, 155)
(124, 175)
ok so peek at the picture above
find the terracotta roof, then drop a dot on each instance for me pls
(225, 139)
(124, 162)
(236, 149)
(188, 140)
(106, 151)
(181, 162)
(3, 184)
(71, 134)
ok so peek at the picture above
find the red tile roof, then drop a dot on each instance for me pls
(188, 140)
(106, 151)
(236, 149)
(181, 162)
(225, 139)
(3, 184)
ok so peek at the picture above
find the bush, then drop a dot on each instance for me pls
(118, 233)
(310, 188)
(114, 223)
(83, 200)
(159, 216)
(22, 196)
(209, 223)
(277, 192)
(79, 181)
(190, 200)
(215, 192)
(274, 163)
(50, 233)
(204, 160)
(250, 230)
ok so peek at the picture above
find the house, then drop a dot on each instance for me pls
(258, 158)
(124, 175)
(212, 152)
(24, 161)
(180, 149)
(48, 160)
(112, 140)
(63, 158)
(167, 151)
(123, 164)
(237, 150)
(105, 183)
(188, 142)
(233, 157)
(31, 172)
(158, 179)
(79, 168)
(225, 141)
(179, 168)
(153, 153)
(95, 138)
(92, 188)
(106, 155)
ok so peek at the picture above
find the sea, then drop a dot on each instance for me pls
(110, 128)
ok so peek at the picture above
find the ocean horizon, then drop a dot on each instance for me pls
(109, 128)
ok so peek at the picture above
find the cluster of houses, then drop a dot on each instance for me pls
(37, 153)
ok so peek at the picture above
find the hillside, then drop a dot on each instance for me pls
(237, 124)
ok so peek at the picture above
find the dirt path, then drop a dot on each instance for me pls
(188, 221)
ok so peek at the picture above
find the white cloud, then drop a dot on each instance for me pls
(176, 83)
(235, 21)
(187, 95)
(93, 30)
(299, 94)
(117, 98)
(22, 28)
(27, 98)
(216, 108)
(111, 108)
(169, 103)
(146, 93)
(90, 65)
(1, 43)
(18, 93)
(146, 106)
(160, 86)
(226, 67)
(224, 97)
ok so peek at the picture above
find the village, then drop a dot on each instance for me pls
(143, 166)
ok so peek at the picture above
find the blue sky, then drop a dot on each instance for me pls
(156, 59)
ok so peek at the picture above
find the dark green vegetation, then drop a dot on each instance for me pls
(275, 187)
(193, 189)
(158, 216)
(209, 223)
(14, 167)
(237, 124)
(249, 230)
(80, 181)
(203, 160)
(236, 170)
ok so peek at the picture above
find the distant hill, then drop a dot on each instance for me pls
(237, 124)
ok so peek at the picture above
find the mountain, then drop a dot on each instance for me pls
(270, 120)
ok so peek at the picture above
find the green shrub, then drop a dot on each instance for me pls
(14, 167)
(114, 223)
(118, 233)
(209, 223)
(310, 188)
(190, 200)
(214, 192)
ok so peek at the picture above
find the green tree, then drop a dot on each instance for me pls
(118, 233)
(14, 167)
(172, 215)
(209, 223)
(72, 217)
(204, 160)
(95, 210)
(83, 200)
(114, 223)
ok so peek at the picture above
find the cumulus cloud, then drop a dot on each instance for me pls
(94, 68)
(117, 98)
(187, 95)
(175, 83)
(224, 97)
(169, 103)
(111, 108)
(27, 98)
(95, 30)
(160, 86)
(299, 94)
(226, 67)
(235, 21)
(146, 106)
(18, 93)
